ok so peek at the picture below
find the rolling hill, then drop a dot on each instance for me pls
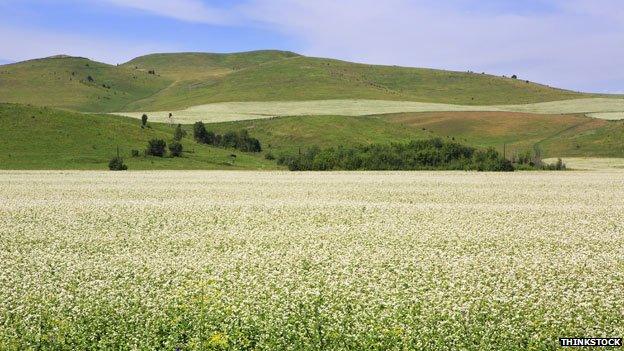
(47, 138)
(75, 83)
(188, 79)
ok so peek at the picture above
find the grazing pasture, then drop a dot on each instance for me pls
(307, 261)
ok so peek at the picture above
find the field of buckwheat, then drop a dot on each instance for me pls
(309, 261)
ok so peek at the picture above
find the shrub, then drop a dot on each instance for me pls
(175, 149)
(269, 156)
(117, 164)
(179, 133)
(156, 147)
(134, 153)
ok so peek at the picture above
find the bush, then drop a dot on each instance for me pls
(117, 164)
(269, 156)
(179, 133)
(235, 140)
(156, 147)
(134, 153)
(175, 148)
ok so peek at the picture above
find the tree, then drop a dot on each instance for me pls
(116, 164)
(175, 148)
(199, 132)
(179, 133)
(143, 120)
(514, 77)
(156, 147)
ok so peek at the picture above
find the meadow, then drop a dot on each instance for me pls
(604, 108)
(300, 261)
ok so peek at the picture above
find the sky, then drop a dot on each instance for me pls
(573, 44)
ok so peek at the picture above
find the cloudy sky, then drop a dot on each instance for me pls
(575, 44)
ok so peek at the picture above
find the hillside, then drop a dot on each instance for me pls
(306, 78)
(189, 79)
(556, 135)
(47, 138)
(198, 65)
(75, 83)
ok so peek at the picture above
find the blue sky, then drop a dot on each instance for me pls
(575, 44)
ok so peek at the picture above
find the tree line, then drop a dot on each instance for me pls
(237, 140)
(431, 154)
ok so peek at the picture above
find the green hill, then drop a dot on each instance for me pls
(75, 83)
(189, 79)
(47, 138)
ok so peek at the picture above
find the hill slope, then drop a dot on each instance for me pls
(556, 135)
(307, 78)
(75, 83)
(189, 79)
(47, 138)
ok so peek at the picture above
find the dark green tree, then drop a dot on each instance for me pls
(156, 147)
(143, 121)
(175, 149)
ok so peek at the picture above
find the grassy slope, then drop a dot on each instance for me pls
(291, 133)
(46, 138)
(62, 82)
(306, 78)
(558, 135)
(189, 79)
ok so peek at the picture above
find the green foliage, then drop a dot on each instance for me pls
(175, 149)
(156, 147)
(235, 140)
(431, 154)
(144, 121)
(179, 133)
(117, 164)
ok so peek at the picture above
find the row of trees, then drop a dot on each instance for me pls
(432, 154)
(237, 140)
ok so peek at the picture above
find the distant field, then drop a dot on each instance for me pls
(607, 108)
(591, 163)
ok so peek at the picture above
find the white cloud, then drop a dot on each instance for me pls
(186, 10)
(579, 45)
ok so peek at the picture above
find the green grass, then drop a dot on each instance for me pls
(63, 82)
(195, 65)
(557, 135)
(307, 78)
(291, 133)
(47, 138)
(190, 79)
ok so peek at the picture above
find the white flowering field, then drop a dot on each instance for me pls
(603, 108)
(309, 261)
